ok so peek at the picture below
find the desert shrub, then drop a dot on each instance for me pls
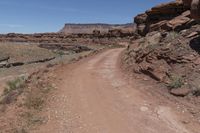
(175, 82)
(14, 85)
(60, 53)
(173, 34)
(13, 90)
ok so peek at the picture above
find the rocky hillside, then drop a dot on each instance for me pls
(168, 50)
(89, 28)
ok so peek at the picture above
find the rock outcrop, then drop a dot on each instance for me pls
(168, 50)
(170, 16)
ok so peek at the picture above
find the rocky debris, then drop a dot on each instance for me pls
(170, 16)
(161, 54)
(148, 57)
(168, 50)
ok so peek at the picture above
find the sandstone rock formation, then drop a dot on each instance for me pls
(170, 16)
(168, 50)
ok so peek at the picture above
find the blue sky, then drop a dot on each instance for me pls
(32, 16)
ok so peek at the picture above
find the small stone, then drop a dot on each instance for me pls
(144, 109)
(185, 122)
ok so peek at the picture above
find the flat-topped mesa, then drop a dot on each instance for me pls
(89, 28)
(169, 16)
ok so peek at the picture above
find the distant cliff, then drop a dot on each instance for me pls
(89, 28)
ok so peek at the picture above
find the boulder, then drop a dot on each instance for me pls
(181, 92)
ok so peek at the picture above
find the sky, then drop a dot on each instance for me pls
(36, 16)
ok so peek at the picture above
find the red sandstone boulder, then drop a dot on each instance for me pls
(181, 92)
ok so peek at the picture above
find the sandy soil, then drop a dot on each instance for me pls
(93, 96)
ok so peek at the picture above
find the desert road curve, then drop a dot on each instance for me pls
(93, 97)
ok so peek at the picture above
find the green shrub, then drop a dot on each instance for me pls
(176, 82)
(14, 85)
(173, 34)
(12, 91)
(60, 53)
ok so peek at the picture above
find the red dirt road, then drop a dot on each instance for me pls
(93, 97)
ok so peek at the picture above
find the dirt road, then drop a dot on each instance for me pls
(93, 97)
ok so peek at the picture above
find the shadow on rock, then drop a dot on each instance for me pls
(195, 44)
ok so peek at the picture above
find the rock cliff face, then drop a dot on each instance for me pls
(89, 28)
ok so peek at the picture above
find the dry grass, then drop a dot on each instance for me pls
(176, 82)
(28, 96)
(13, 89)
(22, 52)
